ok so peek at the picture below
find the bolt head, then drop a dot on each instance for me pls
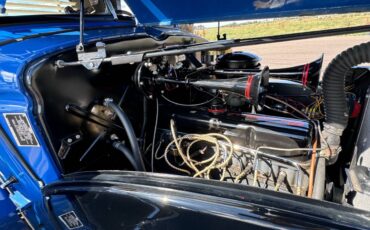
(107, 100)
(114, 137)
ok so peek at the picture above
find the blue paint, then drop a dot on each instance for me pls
(6, 205)
(193, 11)
(14, 59)
(16, 56)
(16, 32)
(156, 12)
(2, 6)
(8, 216)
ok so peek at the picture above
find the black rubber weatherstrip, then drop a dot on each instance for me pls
(14, 40)
(19, 157)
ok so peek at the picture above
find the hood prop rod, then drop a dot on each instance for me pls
(80, 47)
(90, 60)
(111, 9)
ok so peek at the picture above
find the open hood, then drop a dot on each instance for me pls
(166, 12)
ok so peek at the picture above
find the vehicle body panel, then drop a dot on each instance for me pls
(21, 46)
(132, 200)
(16, 55)
(193, 11)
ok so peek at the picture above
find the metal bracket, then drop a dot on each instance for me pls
(18, 199)
(5, 183)
(91, 60)
(67, 143)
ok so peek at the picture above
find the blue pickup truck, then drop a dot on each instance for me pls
(117, 119)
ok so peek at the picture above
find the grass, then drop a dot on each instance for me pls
(286, 26)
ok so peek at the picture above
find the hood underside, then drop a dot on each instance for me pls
(164, 12)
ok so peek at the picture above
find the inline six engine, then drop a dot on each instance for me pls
(202, 114)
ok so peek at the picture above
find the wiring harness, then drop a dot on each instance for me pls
(200, 168)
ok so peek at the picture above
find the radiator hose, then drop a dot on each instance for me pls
(336, 108)
(320, 179)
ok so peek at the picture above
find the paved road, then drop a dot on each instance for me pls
(285, 54)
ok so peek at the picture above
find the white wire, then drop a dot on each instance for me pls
(190, 105)
(154, 134)
(157, 151)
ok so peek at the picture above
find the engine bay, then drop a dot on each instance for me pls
(211, 115)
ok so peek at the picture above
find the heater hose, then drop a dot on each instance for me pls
(127, 153)
(129, 131)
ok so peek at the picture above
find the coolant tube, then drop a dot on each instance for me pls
(123, 149)
(320, 178)
(335, 98)
(312, 170)
(129, 131)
